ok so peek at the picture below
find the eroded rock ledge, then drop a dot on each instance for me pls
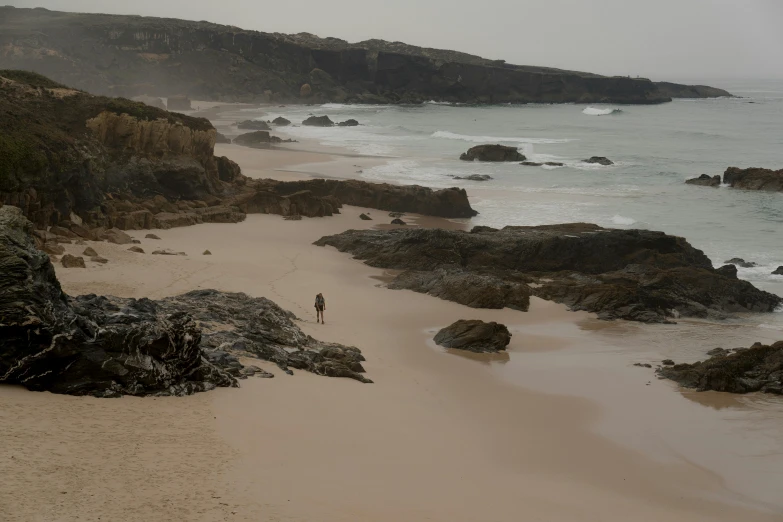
(638, 275)
(108, 346)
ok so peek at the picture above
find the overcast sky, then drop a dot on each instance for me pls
(660, 39)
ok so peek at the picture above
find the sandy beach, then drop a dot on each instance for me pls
(439, 436)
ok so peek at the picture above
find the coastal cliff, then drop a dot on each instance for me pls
(131, 56)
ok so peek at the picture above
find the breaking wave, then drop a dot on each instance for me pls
(593, 111)
(622, 220)
(493, 139)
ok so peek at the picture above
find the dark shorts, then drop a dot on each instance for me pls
(319, 308)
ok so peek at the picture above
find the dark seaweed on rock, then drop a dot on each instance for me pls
(638, 275)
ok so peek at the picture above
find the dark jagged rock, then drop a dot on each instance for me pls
(398, 221)
(110, 54)
(258, 125)
(108, 346)
(599, 160)
(69, 261)
(554, 164)
(531, 164)
(738, 261)
(281, 122)
(754, 179)
(705, 180)
(258, 139)
(348, 123)
(318, 121)
(467, 288)
(152, 236)
(758, 368)
(475, 177)
(778, 271)
(492, 153)
(638, 275)
(365, 217)
(474, 336)
(449, 203)
(728, 271)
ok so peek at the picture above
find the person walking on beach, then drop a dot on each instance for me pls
(320, 306)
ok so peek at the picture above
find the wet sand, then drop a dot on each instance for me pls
(535, 435)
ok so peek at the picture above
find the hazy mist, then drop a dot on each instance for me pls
(665, 39)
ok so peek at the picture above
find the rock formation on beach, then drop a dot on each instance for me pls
(318, 121)
(492, 153)
(758, 368)
(132, 55)
(599, 160)
(259, 139)
(108, 346)
(474, 336)
(87, 164)
(638, 275)
(253, 125)
(747, 179)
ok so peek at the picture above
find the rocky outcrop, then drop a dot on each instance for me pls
(474, 336)
(107, 346)
(492, 153)
(128, 56)
(258, 140)
(599, 160)
(705, 180)
(755, 369)
(348, 123)
(638, 275)
(674, 90)
(449, 203)
(754, 179)
(778, 271)
(738, 261)
(281, 122)
(318, 121)
(253, 125)
(475, 177)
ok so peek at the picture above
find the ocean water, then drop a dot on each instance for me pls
(655, 149)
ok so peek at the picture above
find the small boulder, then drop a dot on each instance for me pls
(80, 242)
(117, 236)
(492, 153)
(99, 259)
(69, 261)
(554, 164)
(728, 271)
(53, 249)
(474, 336)
(318, 121)
(704, 181)
(151, 236)
(599, 160)
(398, 221)
(365, 217)
(667, 362)
(531, 164)
(294, 217)
(778, 271)
(167, 252)
(281, 122)
(136, 249)
(206, 253)
(718, 351)
(740, 262)
(475, 177)
(348, 123)
(396, 214)
(643, 365)
(90, 252)
(253, 125)
(62, 231)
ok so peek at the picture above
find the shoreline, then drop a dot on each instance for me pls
(486, 441)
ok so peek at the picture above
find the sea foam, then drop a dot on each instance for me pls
(622, 220)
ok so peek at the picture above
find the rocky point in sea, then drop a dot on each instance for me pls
(639, 275)
(492, 153)
(108, 346)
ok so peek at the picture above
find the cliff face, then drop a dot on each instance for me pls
(131, 55)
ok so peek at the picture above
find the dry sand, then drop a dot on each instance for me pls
(437, 437)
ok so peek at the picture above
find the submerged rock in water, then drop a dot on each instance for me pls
(492, 153)
(318, 121)
(738, 261)
(281, 122)
(600, 160)
(475, 336)
(758, 368)
(475, 177)
(365, 217)
(778, 271)
(754, 179)
(258, 125)
(531, 164)
(348, 123)
(108, 346)
(638, 275)
(705, 181)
